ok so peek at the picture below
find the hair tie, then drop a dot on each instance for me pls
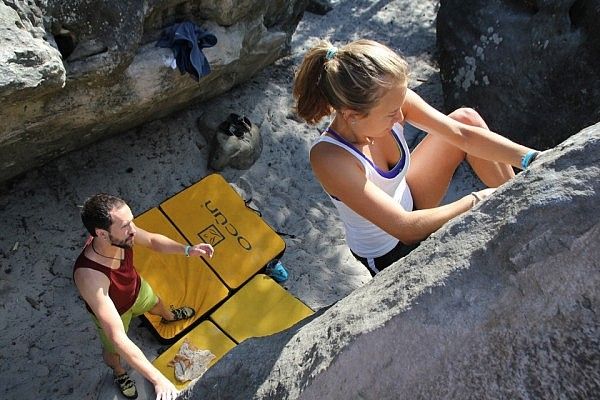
(331, 53)
(528, 158)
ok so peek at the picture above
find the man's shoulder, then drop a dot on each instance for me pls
(83, 262)
(84, 273)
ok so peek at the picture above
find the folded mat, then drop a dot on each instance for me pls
(211, 211)
(176, 279)
(204, 336)
(260, 308)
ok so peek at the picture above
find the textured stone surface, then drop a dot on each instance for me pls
(29, 66)
(108, 75)
(531, 68)
(499, 303)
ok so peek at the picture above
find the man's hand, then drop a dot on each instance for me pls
(202, 249)
(165, 390)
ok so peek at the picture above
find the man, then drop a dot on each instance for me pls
(114, 292)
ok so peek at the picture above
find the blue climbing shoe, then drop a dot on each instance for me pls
(277, 271)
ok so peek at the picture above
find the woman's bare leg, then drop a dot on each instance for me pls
(434, 161)
(432, 165)
(491, 173)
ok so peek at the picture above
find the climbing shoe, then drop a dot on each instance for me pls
(236, 125)
(126, 385)
(179, 314)
(277, 271)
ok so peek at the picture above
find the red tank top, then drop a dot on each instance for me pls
(124, 282)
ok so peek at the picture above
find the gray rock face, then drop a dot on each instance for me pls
(531, 68)
(74, 72)
(29, 66)
(500, 303)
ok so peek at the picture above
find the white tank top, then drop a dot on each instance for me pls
(363, 237)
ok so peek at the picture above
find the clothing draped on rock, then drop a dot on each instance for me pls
(187, 40)
(190, 362)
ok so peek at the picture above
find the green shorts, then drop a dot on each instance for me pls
(145, 301)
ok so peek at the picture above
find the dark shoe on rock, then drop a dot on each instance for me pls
(237, 144)
(235, 125)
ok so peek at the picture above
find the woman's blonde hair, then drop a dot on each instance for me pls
(354, 76)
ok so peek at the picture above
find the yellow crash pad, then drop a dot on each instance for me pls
(211, 211)
(260, 308)
(205, 336)
(176, 279)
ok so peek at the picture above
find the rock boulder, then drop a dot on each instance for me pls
(501, 302)
(74, 72)
(531, 68)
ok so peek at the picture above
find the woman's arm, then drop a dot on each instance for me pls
(342, 176)
(476, 141)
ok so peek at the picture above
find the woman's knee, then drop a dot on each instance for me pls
(468, 116)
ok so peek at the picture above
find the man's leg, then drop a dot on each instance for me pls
(125, 384)
(110, 356)
(154, 305)
(113, 360)
(109, 352)
(173, 314)
(162, 310)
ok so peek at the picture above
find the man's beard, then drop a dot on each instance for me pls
(123, 244)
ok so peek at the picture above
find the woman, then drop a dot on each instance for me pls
(388, 199)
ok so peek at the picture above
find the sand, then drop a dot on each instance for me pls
(48, 347)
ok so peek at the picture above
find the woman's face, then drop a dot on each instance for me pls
(384, 115)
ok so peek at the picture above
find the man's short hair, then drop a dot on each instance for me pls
(96, 209)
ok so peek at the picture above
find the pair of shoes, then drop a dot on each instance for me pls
(179, 314)
(126, 385)
(235, 125)
(277, 271)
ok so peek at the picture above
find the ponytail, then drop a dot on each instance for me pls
(311, 103)
(355, 76)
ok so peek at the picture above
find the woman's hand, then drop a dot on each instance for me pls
(481, 195)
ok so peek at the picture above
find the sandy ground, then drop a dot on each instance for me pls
(48, 346)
